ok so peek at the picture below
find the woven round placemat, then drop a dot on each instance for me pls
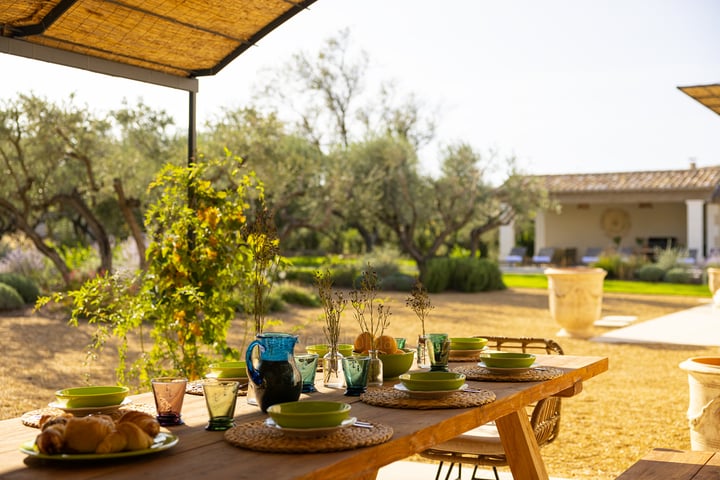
(392, 398)
(32, 418)
(535, 374)
(263, 438)
(195, 388)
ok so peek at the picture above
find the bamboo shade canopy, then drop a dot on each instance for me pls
(167, 42)
(708, 95)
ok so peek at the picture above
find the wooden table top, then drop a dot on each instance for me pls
(200, 454)
(675, 464)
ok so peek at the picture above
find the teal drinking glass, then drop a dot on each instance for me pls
(355, 370)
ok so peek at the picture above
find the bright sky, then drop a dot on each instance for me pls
(566, 86)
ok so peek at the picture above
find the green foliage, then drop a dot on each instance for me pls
(297, 295)
(25, 286)
(345, 276)
(678, 275)
(650, 273)
(397, 282)
(198, 255)
(462, 275)
(10, 299)
(612, 264)
(437, 275)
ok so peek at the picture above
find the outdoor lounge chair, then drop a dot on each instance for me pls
(481, 445)
(690, 258)
(544, 256)
(592, 255)
(516, 255)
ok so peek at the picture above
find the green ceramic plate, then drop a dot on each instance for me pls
(162, 441)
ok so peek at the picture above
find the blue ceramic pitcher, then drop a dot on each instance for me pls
(274, 374)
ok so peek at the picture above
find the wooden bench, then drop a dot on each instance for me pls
(676, 465)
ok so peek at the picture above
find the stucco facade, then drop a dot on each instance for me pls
(637, 210)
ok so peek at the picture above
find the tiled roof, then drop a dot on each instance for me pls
(702, 178)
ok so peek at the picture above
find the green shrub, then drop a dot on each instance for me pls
(25, 286)
(10, 299)
(678, 275)
(650, 273)
(384, 260)
(345, 276)
(611, 264)
(297, 295)
(302, 276)
(469, 275)
(397, 282)
(475, 275)
(438, 272)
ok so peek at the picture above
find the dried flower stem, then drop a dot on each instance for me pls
(333, 304)
(371, 318)
(419, 302)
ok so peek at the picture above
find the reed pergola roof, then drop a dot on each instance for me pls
(708, 95)
(165, 42)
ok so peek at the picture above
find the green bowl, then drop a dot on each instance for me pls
(432, 381)
(395, 364)
(237, 369)
(84, 397)
(321, 349)
(309, 414)
(507, 359)
(467, 343)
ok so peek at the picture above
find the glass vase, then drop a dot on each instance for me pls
(375, 370)
(423, 359)
(332, 370)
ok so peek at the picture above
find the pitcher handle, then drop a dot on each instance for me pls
(253, 373)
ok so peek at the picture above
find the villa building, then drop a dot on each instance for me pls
(632, 211)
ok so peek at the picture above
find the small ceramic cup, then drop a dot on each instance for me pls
(169, 393)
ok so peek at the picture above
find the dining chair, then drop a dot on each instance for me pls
(481, 446)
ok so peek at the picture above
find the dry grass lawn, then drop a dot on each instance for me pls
(640, 403)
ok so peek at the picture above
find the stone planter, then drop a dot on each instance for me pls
(575, 296)
(713, 276)
(704, 408)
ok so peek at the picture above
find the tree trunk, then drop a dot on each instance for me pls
(126, 209)
(37, 240)
(76, 203)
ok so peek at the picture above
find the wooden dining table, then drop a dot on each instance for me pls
(201, 454)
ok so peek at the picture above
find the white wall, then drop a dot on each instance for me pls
(581, 228)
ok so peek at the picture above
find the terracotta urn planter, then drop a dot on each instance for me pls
(575, 296)
(702, 414)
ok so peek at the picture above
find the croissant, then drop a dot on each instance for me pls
(126, 436)
(51, 439)
(145, 421)
(84, 434)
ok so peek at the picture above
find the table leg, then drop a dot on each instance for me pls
(521, 448)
